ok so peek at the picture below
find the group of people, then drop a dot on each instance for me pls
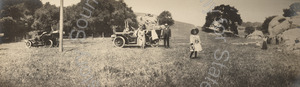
(141, 35)
(195, 42)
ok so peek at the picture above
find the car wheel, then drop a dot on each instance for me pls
(28, 44)
(119, 42)
(49, 43)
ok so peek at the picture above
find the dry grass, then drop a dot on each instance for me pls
(248, 66)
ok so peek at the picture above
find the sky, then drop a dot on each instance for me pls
(66, 2)
(194, 11)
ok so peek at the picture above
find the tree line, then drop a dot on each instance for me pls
(231, 14)
(20, 17)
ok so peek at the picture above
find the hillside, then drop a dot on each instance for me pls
(178, 29)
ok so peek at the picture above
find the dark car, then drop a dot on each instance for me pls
(44, 39)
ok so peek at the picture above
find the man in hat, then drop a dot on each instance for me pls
(167, 35)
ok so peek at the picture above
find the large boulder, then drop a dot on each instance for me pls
(295, 21)
(278, 25)
(291, 39)
(281, 24)
(256, 35)
(149, 20)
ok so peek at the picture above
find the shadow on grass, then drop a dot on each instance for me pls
(196, 58)
(159, 46)
(261, 77)
(296, 83)
(5, 83)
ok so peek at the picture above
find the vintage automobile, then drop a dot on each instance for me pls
(121, 39)
(43, 39)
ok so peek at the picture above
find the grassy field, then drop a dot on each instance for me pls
(96, 60)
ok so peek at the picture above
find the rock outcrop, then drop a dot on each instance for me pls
(285, 31)
(256, 35)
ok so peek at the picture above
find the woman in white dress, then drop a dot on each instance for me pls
(141, 36)
(195, 42)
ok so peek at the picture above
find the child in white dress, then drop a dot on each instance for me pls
(195, 42)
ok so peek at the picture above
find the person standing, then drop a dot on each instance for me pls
(167, 35)
(264, 45)
(195, 42)
(141, 36)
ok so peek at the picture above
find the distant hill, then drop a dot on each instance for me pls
(251, 24)
(180, 29)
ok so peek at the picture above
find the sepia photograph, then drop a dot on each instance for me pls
(149, 43)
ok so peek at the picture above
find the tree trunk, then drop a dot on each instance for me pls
(102, 34)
